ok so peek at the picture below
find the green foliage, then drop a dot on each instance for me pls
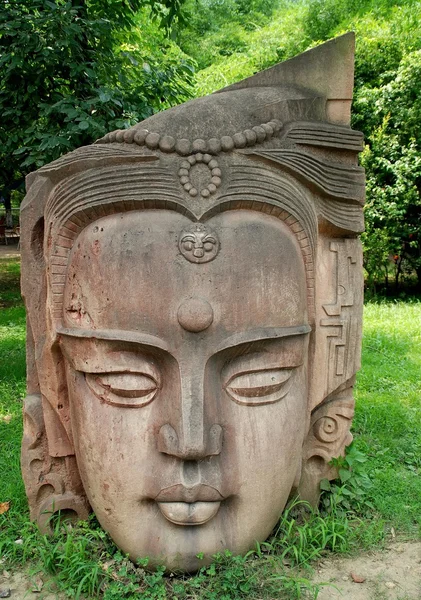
(70, 71)
(271, 39)
(223, 27)
(393, 161)
(303, 535)
(347, 493)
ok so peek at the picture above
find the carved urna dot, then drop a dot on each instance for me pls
(194, 296)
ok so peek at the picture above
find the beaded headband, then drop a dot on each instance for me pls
(184, 147)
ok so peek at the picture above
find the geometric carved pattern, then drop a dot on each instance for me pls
(341, 322)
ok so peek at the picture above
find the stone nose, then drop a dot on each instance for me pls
(199, 250)
(188, 434)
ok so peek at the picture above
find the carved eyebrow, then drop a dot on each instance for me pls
(265, 333)
(115, 335)
(119, 335)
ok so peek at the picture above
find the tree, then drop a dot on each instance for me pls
(393, 162)
(71, 70)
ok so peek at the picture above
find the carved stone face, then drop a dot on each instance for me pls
(187, 378)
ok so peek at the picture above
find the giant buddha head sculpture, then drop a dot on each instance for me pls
(194, 294)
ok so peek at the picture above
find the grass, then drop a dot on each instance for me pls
(387, 429)
(12, 390)
(387, 424)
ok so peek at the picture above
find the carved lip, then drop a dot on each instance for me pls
(196, 493)
(189, 513)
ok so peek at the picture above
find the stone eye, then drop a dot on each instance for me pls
(123, 389)
(208, 246)
(259, 387)
(188, 245)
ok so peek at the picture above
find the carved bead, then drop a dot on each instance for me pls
(129, 135)
(167, 143)
(152, 140)
(185, 165)
(205, 193)
(183, 147)
(267, 128)
(184, 180)
(260, 133)
(212, 188)
(193, 191)
(217, 172)
(140, 136)
(276, 125)
(227, 143)
(213, 165)
(214, 145)
(187, 186)
(199, 157)
(206, 158)
(240, 140)
(182, 172)
(199, 145)
(251, 137)
(192, 160)
(216, 181)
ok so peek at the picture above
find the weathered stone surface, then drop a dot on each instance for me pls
(194, 296)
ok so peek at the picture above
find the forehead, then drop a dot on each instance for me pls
(133, 271)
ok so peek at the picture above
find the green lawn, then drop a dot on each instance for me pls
(387, 425)
(12, 390)
(387, 429)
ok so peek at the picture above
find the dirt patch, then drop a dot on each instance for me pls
(21, 585)
(9, 251)
(394, 574)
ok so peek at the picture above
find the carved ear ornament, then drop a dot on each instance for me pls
(183, 147)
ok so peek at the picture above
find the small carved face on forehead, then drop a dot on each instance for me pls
(198, 243)
(186, 354)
